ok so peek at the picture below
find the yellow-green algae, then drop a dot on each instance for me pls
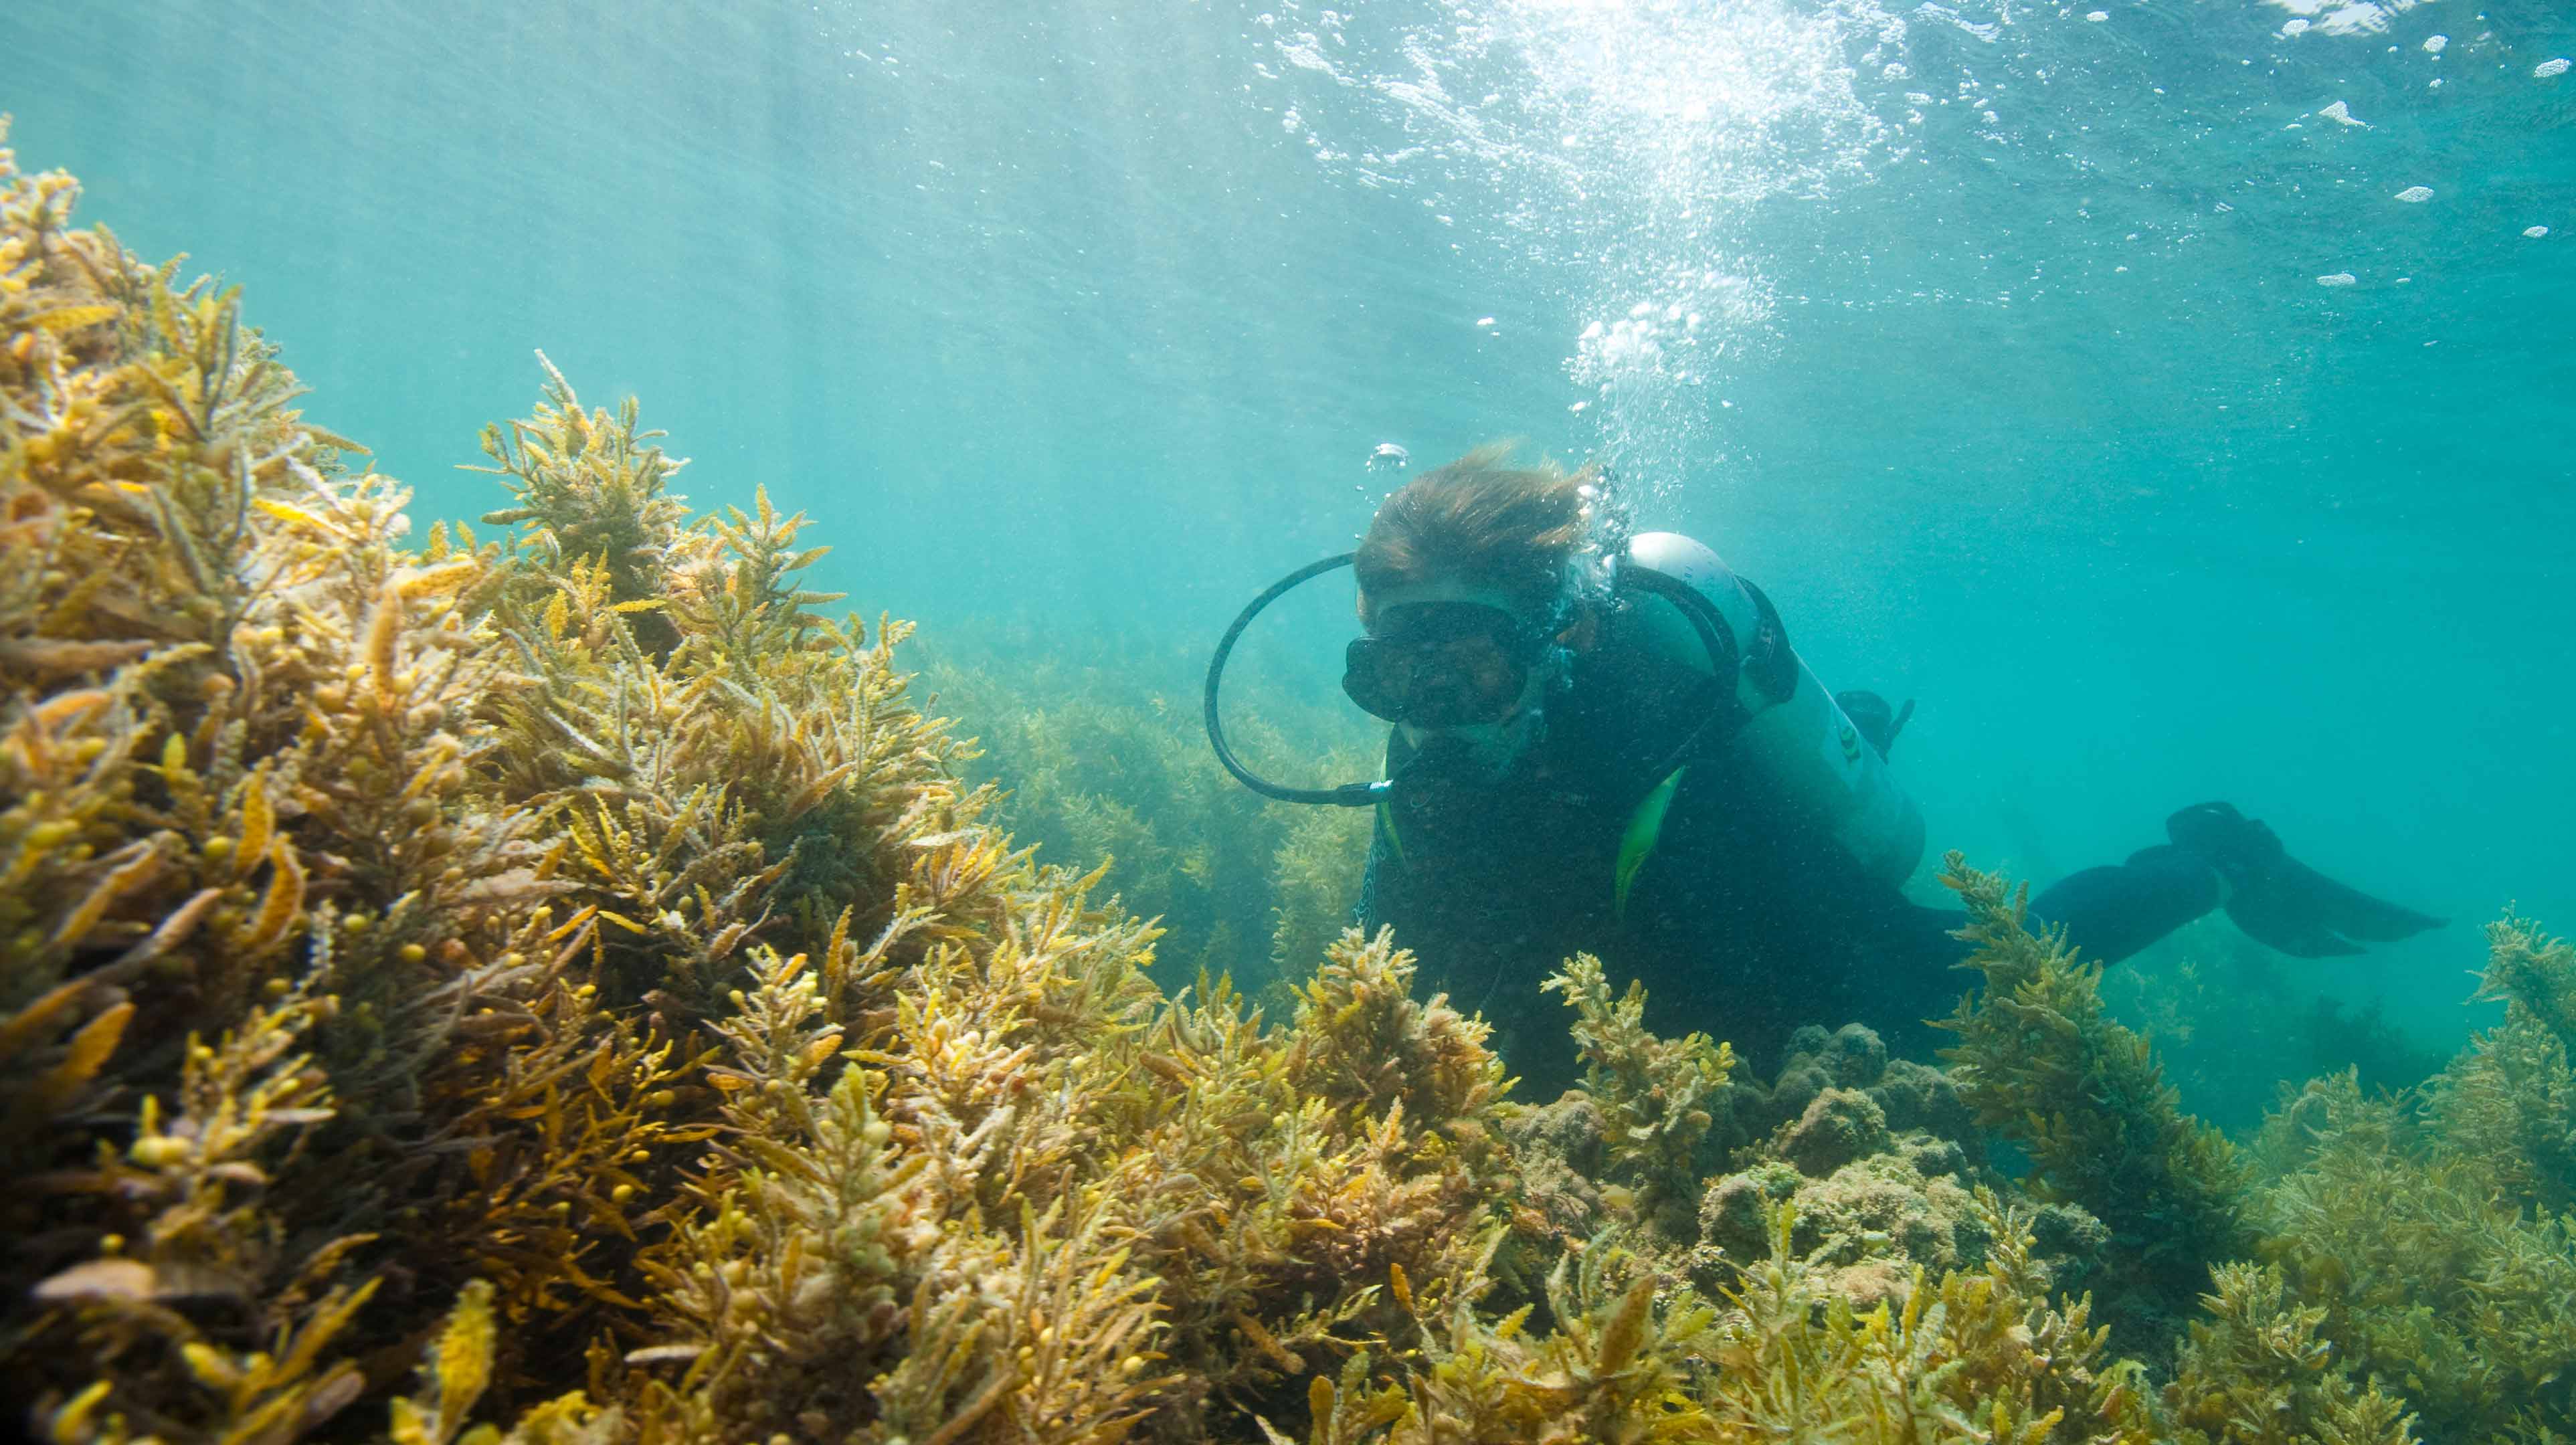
(1100, 764)
(556, 987)
(2231, 1018)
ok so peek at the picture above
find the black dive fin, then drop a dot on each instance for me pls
(2351, 912)
(2281, 901)
(2277, 917)
(2302, 912)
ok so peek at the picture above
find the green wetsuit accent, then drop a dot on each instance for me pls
(1386, 820)
(1637, 844)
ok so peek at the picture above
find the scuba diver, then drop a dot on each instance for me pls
(1604, 743)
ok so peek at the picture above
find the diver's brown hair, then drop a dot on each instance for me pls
(1480, 521)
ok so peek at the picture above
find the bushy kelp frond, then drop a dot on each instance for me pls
(2038, 1059)
(590, 488)
(1974, 1354)
(2510, 1103)
(2533, 972)
(1622, 1366)
(196, 1245)
(1085, 1354)
(738, 597)
(2430, 1230)
(2258, 1372)
(789, 1283)
(2427, 1280)
(2332, 1110)
(1656, 1096)
(453, 1376)
(1979, 1354)
(1363, 1040)
(249, 741)
(1046, 1335)
(1316, 1187)
(186, 572)
(1106, 762)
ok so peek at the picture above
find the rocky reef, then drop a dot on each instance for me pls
(550, 982)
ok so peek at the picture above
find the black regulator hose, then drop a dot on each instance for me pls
(1348, 795)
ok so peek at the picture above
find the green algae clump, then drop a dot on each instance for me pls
(2039, 1059)
(2429, 1228)
(1100, 765)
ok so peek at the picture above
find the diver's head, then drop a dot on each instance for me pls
(1477, 583)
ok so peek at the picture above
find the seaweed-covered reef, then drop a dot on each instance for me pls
(551, 983)
(2231, 1019)
(1099, 754)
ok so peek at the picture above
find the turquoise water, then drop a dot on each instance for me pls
(2007, 346)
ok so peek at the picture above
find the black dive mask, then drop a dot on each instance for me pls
(1450, 664)
(1443, 664)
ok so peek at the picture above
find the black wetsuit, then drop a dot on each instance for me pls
(1746, 919)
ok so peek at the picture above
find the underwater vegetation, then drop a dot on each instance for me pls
(2430, 1229)
(2230, 1019)
(1099, 764)
(551, 982)
(2039, 1059)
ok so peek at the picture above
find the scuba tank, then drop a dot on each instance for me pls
(1792, 733)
